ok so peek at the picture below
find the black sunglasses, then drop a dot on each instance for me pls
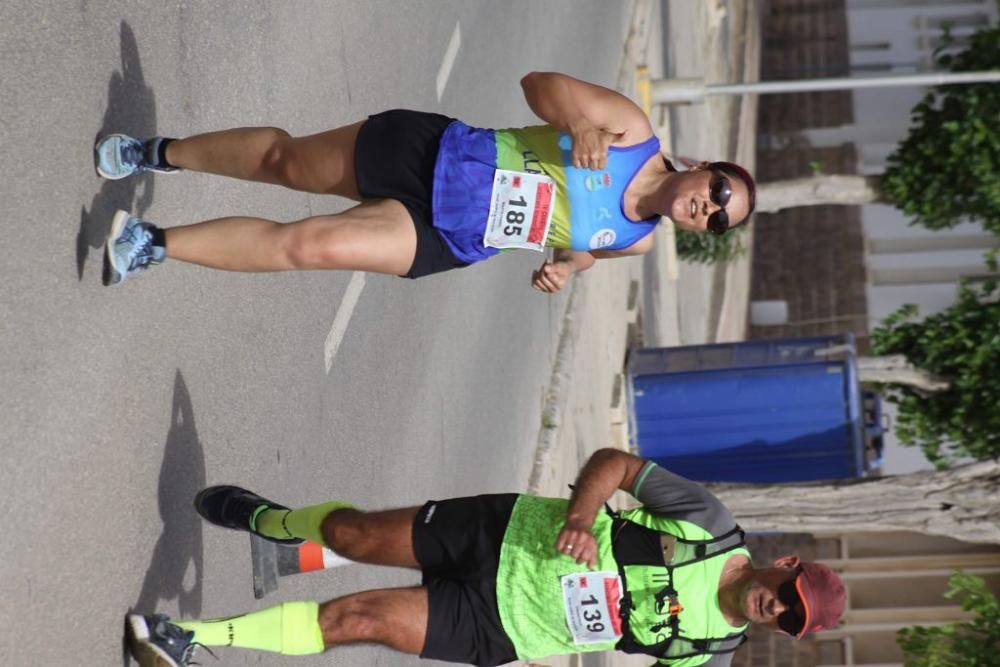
(720, 191)
(793, 618)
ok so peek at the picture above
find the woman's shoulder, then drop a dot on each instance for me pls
(635, 128)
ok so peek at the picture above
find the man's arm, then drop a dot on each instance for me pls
(594, 116)
(668, 494)
(607, 471)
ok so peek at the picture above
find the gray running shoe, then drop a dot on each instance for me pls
(156, 642)
(129, 248)
(119, 155)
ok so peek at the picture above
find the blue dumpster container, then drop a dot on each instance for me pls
(783, 410)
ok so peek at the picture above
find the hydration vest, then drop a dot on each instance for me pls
(657, 632)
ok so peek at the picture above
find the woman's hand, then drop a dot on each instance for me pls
(593, 116)
(552, 276)
(590, 146)
(576, 541)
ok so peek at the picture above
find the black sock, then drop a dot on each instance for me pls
(161, 152)
(159, 237)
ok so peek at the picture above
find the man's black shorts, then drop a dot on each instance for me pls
(394, 158)
(457, 543)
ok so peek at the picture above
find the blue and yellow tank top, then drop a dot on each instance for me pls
(588, 213)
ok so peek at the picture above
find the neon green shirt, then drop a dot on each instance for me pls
(529, 595)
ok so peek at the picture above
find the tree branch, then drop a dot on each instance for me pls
(896, 369)
(824, 189)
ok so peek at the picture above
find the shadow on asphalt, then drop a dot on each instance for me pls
(131, 110)
(176, 568)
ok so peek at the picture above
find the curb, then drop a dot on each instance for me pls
(558, 393)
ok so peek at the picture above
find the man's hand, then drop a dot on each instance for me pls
(552, 276)
(590, 146)
(576, 541)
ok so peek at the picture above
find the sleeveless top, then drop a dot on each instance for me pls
(588, 212)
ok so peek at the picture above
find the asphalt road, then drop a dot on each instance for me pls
(118, 404)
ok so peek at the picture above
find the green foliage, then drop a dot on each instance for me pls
(707, 248)
(961, 344)
(974, 643)
(949, 165)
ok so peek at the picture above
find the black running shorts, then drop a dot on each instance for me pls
(394, 158)
(457, 543)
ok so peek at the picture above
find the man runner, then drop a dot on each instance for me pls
(436, 194)
(508, 577)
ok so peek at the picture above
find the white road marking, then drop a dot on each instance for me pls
(449, 60)
(343, 317)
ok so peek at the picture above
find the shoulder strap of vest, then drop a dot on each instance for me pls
(676, 646)
(634, 543)
(693, 551)
(685, 647)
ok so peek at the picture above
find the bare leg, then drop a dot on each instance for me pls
(374, 236)
(322, 163)
(378, 538)
(394, 617)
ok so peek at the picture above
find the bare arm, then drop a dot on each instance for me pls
(553, 275)
(605, 472)
(594, 116)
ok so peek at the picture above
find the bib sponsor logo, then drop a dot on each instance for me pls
(602, 238)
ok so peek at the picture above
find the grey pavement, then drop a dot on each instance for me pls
(117, 405)
(681, 303)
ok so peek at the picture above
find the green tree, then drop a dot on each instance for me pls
(710, 248)
(949, 164)
(945, 171)
(961, 345)
(974, 643)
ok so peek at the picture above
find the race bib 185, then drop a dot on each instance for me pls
(520, 210)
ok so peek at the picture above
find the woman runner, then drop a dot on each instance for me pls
(437, 194)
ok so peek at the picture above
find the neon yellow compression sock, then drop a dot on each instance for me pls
(305, 523)
(291, 628)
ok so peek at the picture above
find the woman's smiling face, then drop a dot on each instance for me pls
(688, 201)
